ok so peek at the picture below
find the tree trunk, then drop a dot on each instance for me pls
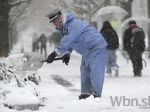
(148, 2)
(107, 2)
(4, 31)
(127, 6)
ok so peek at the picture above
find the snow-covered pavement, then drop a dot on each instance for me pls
(65, 99)
(60, 97)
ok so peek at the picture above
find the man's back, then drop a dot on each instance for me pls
(111, 37)
(79, 35)
(134, 38)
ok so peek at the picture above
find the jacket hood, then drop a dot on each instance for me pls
(68, 17)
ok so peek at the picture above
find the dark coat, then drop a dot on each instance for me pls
(43, 40)
(110, 36)
(138, 44)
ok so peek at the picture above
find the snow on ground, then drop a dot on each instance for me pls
(62, 98)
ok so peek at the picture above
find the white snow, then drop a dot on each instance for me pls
(21, 96)
(62, 99)
(65, 99)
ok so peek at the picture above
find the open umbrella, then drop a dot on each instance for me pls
(109, 13)
(142, 22)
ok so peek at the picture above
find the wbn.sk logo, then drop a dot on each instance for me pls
(126, 101)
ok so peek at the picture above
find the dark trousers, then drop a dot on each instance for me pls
(136, 59)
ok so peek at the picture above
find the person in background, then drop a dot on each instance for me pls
(89, 43)
(43, 42)
(55, 38)
(35, 43)
(111, 37)
(134, 44)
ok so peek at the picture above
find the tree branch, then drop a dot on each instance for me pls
(16, 3)
(18, 15)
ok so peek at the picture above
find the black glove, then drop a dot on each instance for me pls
(51, 57)
(66, 59)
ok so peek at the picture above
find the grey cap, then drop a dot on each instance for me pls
(53, 14)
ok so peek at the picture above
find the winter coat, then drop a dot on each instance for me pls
(80, 36)
(43, 40)
(88, 42)
(111, 38)
(138, 44)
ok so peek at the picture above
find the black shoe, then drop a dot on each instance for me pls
(83, 96)
(138, 74)
(96, 96)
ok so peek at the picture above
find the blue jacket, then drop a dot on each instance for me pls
(80, 36)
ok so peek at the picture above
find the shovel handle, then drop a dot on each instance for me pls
(54, 59)
(58, 59)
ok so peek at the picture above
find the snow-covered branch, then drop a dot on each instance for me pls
(13, 3)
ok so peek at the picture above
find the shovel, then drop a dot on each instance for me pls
(54, 59)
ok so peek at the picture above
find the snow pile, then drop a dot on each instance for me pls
(19, 95)
(15, 61)
(17, 91)
(26, 97)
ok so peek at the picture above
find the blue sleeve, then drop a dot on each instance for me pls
(68, 39)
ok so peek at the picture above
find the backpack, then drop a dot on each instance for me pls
(137, 40)
(111, 38)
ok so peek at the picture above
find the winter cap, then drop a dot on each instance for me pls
(132, 22)
(53, 14)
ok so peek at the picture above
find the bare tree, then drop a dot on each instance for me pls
(4, 16)
(148, 3)
(17, 15)
(107, 2)
(125, 4)
(11, 12)
(86, 8)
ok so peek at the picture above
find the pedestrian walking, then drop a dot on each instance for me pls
(134, 44)
(112, 39)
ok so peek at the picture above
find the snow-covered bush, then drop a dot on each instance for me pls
(24, 64)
